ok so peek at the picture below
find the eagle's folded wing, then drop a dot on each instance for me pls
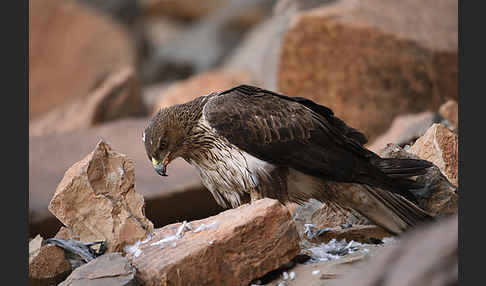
(293, 132)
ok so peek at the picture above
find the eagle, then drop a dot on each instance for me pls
(248, 143)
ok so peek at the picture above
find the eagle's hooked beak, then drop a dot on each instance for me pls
(161, 168)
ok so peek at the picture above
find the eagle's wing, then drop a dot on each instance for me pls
(289, 131)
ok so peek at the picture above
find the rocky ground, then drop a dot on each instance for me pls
(100, 69)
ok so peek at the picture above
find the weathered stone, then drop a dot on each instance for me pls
(231, 248)
(201, 84)
(404, 129)
(111, 100)
(259, 51)
(34, 246)
(47, 263)
(72, 49)
(449, 111)
(168, 200)
(425, 256)
(181, 9)
(96, 200)
(108, 269)
(439, 145)
(439, 196)
(370, 61)
(201, 46)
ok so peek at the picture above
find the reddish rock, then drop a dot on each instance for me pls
(370, 61)
(439, 145)
(177, 197)
(440, 197)
(231, 248)
(109, 269)
(201, 84)
(96, 200)
(47, 263)
(449, 111)
(404, 129)
(72, 50)
(111, 100)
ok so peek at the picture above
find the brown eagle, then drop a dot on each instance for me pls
(248, 143)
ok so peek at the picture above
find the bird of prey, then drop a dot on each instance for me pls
(249, 143)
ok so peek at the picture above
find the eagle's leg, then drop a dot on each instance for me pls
(255, 195)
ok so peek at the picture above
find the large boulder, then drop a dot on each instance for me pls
(370, 61)
(73, 49)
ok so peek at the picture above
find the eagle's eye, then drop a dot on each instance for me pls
(162, 143)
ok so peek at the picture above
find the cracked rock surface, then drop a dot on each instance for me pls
(97, 201)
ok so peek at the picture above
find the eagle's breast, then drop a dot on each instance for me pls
(228, 172)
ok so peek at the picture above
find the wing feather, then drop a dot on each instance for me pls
(293, 132)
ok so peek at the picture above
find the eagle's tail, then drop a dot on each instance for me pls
(402, 168)
(392, 174)
(392, 212)
(395, 205)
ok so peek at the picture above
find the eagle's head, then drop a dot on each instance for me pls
(163, 138)
(167, 133)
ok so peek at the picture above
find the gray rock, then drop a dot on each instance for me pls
(109, 269)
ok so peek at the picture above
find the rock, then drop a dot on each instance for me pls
(449, 111)
(108, 269)
(425, 256)
(34, 246)
(200, 47)
(47, 263)
(199, 85)
(370, 61)
(233, 247)
(63, 68)
(405, 129)
(168, 200)
(152, 93)
(97, 201)
(181, 9)
(439, 145)
(127, 12)
(440, 197)
(111, 100)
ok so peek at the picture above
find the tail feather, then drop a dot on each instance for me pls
(402, 168)
(392, 212)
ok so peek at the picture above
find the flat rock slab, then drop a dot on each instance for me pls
(231, 248)
(110, 269)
